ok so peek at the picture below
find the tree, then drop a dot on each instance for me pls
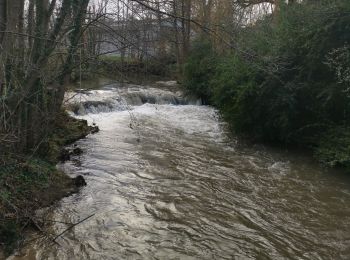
(31, 92)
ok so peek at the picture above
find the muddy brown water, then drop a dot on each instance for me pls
(165, 181)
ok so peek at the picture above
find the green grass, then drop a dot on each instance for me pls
(115, 58)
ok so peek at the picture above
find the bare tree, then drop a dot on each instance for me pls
(29, 102)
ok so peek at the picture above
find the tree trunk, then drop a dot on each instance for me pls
(41, 28)
(3, 19)
(20, 39)
(187, 28)
(30, 22)
(177, 43)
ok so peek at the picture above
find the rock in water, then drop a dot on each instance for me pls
(77, 151)
(94, 129)
(64, 155)
(79, 181)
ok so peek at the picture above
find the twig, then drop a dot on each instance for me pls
(72, 226)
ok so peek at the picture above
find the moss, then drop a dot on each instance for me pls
(67, 130)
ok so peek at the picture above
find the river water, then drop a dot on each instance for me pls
(166, 181)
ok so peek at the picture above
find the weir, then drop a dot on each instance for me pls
(119, 98)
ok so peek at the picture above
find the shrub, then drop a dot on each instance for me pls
(288, 82)
(199, 69)
(333, 148)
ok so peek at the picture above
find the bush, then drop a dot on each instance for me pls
(199, 70)
(334, 147)
(293, 87)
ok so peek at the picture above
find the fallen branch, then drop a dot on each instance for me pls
(72, 226)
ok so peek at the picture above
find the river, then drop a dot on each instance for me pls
(167, 181)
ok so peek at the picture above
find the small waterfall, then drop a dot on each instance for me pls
(95, 107)
(123, 98)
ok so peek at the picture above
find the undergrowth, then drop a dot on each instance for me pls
(31, 181)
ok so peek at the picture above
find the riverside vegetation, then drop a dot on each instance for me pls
(286, 79)
(26, 178)
(282, 78)
(35, 67)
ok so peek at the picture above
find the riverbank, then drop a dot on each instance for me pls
(30, 182)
